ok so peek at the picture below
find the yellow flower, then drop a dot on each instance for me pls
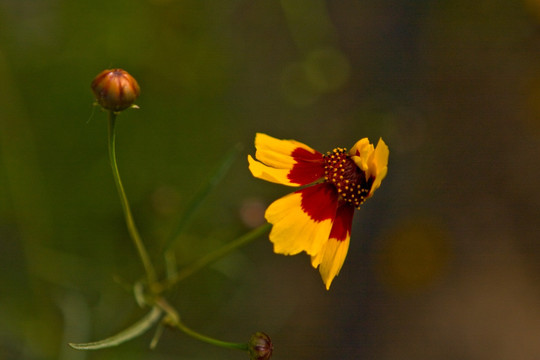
(317, 218)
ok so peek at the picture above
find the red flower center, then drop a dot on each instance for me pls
(349, 180)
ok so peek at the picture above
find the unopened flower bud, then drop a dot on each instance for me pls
(115, 89)
(260, 346)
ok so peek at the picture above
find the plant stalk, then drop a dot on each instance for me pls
(174, 320)
(132, 229)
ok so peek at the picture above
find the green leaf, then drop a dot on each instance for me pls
(131, 332)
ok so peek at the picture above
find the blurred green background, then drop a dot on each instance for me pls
(444, 260)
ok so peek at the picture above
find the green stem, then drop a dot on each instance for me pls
(209, 340)
(132, 229)
(216, 255)
(194, 205)
(175, 321)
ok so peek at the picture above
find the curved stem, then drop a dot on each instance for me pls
(209, 340)
(216, 255)
(174, 320)
(132, 229)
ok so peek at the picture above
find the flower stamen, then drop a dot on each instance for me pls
(349, 180)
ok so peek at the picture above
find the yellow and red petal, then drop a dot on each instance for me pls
(303, 220)
(286, 162)
(330, 259)
(333, 253)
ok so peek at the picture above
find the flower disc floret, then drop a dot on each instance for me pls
(350, 181)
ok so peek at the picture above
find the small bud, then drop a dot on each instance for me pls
(115, 89)
(260, 346)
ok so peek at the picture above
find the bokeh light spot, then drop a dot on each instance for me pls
(413, 256)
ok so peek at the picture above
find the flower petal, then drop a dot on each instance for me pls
(380, 163)
(286, 162)
(261, 171)
(360, 153)
(332, 255)
(330, 259)
(302, 221)
(341, 229)
(373, 161)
